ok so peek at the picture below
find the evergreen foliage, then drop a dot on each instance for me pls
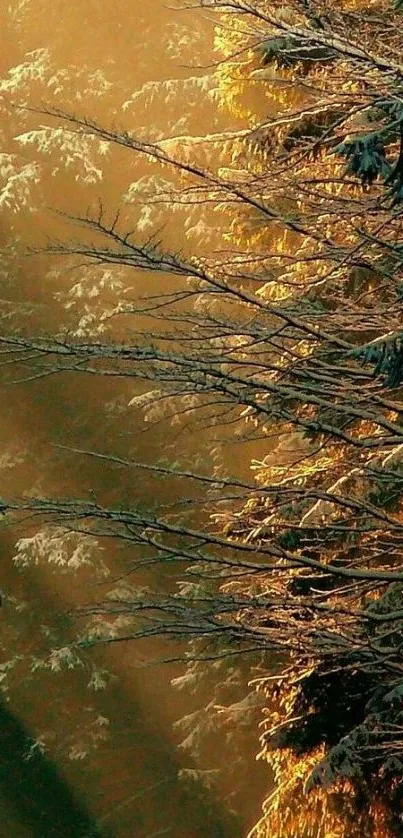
(387, 357)
(366, 158)
(291, 333)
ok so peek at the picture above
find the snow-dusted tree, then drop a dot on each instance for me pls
(286, 328)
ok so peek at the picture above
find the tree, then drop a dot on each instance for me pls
(293, 336)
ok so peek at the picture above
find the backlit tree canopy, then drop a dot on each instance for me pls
(283, 324)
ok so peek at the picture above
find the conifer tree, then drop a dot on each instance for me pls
(289, 330)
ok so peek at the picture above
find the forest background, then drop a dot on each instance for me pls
(278, 324)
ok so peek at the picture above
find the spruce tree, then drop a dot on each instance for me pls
(289, 332)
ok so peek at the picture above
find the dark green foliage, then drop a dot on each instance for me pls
(387, 356)
(392, 108)
(290, 539)
(347, 757)
(326, 712)
(366, 158)
(387, 490)
(305, 583)
(366, 155)
(395, 178)
(389, 601)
